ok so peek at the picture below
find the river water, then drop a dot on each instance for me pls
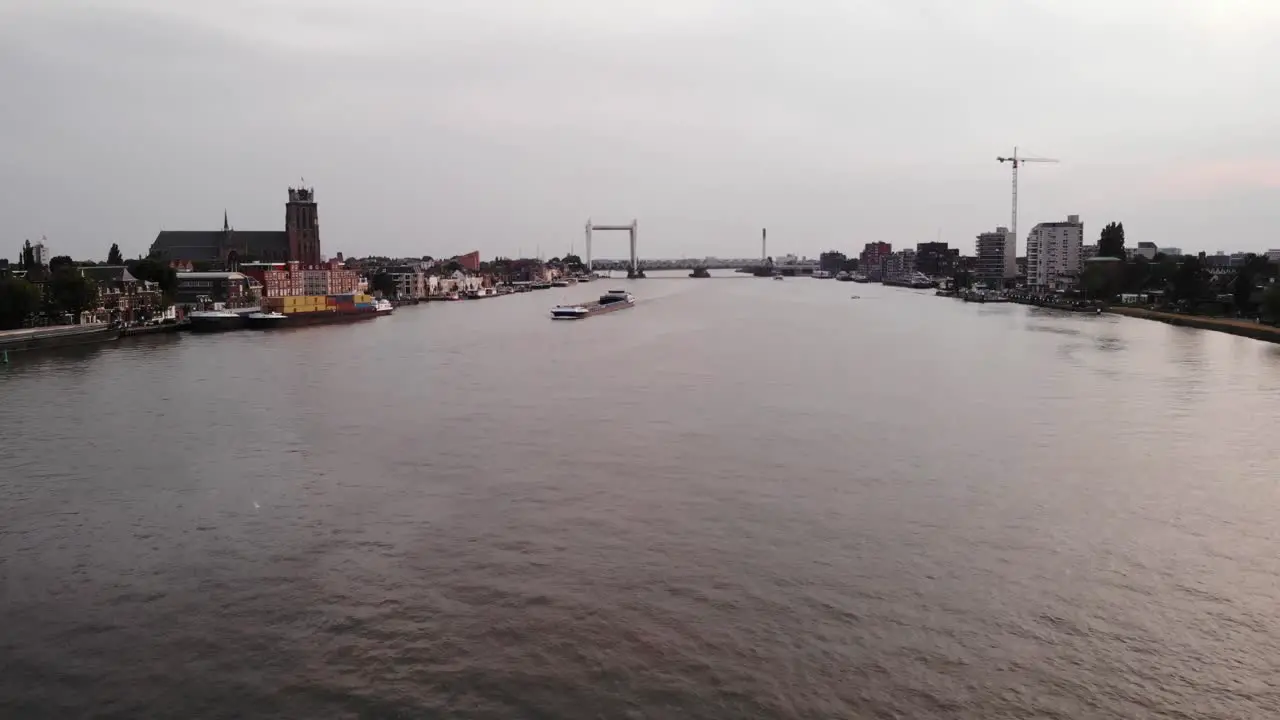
(741, 498)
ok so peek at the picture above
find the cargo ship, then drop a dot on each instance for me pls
(211, 321)
(302, 310)
(608, 302)
(265, 320)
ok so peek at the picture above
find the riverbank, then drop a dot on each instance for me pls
(1233, 326)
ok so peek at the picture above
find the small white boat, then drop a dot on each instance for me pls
(382, 306)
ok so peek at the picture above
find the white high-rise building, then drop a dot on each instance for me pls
(1054, 253)
(996, 259)
(41, 253)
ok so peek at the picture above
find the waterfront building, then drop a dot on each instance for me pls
(1273, 256)
(1171, 251)
(996, 261)
(871, 259)
(469, 262)
(123, 296)
(233, 288)
(299, 241)
(1054, 252)
(893, 267)
(1088, 252)
(936, 258)
(294, 278)
(40, 251)
(410, 280)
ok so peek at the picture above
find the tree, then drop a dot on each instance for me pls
(1271, 303)
(1135, 275)
(1188, 281)
(1242, 290)
(155, 271)
(59, 262)
(28, 256)
(113, 255)
(71, 292)
(383, 283)
(571, 260)
(1111, 241)
(19, 300)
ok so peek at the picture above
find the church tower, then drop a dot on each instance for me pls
(302, 226)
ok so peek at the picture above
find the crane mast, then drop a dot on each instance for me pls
(1017, 160)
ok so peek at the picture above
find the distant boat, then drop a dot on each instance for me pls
(382, 306)
(777, 277)
(608, 302)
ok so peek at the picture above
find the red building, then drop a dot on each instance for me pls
(871, 260)
(469, 262)
(294, 278)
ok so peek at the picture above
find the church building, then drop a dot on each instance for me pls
(300, 239)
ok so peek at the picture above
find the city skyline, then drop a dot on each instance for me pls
(441, 128)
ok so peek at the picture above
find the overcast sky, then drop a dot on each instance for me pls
(440, 127)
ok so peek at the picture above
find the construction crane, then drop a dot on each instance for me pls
(1018, 160)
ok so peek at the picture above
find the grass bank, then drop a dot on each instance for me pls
(1234, 326)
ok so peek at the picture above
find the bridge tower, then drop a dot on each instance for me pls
(632, 231)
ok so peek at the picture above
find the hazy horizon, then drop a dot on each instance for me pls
(432, 128)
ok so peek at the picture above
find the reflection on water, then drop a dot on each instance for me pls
(738, 499)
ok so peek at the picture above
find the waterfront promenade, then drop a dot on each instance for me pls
(1233, 326)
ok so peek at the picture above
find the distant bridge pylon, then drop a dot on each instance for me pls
(631, 230)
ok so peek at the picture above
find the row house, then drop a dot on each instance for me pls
(121, 296)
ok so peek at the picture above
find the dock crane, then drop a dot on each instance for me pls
(1018, 160)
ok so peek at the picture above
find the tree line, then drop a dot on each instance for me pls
(60, 289)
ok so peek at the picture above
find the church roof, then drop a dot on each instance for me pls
(187, 244)
(258, 240)
(207, 244)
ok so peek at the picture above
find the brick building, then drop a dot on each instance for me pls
(294, 278)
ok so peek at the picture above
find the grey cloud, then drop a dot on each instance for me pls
(436, 127)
